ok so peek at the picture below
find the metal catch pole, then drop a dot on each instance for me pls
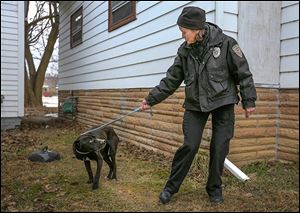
(113, 121)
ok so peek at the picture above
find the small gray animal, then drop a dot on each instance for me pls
(98, 145)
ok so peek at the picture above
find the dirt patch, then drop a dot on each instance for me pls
(36, 122)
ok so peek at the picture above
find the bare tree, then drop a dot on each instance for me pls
(41, 34)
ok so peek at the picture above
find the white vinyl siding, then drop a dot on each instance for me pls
(135, 55)
(289, 47)
(227, 17)
(12, 58)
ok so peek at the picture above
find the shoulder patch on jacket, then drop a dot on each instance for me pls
(237, 50)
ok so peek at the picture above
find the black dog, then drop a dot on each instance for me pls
(98, 145)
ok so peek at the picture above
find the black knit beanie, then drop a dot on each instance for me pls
(192, 18)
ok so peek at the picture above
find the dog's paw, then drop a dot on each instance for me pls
(111, 178)
(89, 181)
(111, 175)
(107, 178)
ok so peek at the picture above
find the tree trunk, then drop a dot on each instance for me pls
(40, 74)
(34, 78)
(30, 99)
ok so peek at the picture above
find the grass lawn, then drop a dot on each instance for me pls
(61, 185)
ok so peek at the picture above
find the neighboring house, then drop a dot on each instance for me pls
(112, 53)
(50, 87)
(12, 63)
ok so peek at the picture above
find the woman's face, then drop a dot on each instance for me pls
(189, 35)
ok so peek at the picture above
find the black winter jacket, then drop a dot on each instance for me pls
(212, 80)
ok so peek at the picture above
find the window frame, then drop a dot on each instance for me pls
(72, 45)
(123, 21)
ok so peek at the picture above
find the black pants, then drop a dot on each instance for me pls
(193, 126)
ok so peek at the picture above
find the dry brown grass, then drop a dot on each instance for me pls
(60, 185)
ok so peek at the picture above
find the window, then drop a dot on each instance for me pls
(76, 28)
(120, 13)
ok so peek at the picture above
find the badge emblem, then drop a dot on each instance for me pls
(216, 52)
(237, 50)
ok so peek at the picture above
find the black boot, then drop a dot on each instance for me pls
(216, 199)
(165, 197)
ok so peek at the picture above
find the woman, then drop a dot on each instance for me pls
(212, 65)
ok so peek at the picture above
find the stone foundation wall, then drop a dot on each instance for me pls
(288, 142)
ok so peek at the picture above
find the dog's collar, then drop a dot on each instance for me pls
(82, 153)
(102, 143)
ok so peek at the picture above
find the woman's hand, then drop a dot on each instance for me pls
(249, 111)
(144, 105)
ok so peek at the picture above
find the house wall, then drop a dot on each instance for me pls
(259, 36)
(111, 73)
(288, 126)
(12, 62)
(136, 55)
(289, 49)
(226, 17)
(288, 142)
